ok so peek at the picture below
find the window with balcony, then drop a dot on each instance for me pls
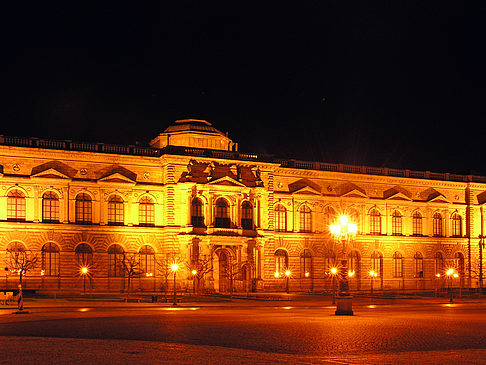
(222, 214)
(247, 215)
(197, 215)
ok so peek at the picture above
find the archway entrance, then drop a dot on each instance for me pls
(221, 263)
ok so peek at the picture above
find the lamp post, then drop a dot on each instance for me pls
(6, 278)
(344, 230)
(333, 273)
(287, 276)
(84, 272)
(174, 268)
(450, 274)
(373, 274)
(194, 272)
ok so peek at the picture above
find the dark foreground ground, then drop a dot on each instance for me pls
(421, 331)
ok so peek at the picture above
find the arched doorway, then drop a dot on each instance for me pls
(222, 261)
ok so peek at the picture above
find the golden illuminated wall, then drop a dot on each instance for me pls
(307, 195)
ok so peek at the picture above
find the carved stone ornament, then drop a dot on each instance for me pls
(146, 176)
(279, 185)
(16, 167)
(83, 171)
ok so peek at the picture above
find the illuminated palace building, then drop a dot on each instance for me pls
(192, 198)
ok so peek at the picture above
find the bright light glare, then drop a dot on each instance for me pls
(437, 275)
(174, 267)
(84, 270)
(450, 272)
(335, 229)
(276, 274)
(333, 270)
(287, 272)
(343, 219)
(352, 228)
(194, 272)
(456, 275)
(350, 273)
(306, 274)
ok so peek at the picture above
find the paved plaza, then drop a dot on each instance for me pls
(425, 330)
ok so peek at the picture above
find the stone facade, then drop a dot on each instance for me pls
(248, 216)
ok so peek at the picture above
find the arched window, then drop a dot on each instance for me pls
(419, 265)
(280, 218)
(247, 215)
(396, 223)
(439, 263)
(281, 261)
(84, 255)
(15, 206)
(377, 263)
(330, 260)
(197, 216)
(375, 222)
(329, 217)
(147, 260)
(354, 217)
(305, 219)
(437, 225)
(50, 207)
(305, 264)
(115, 261)
(50, 259)
(459, 263)
(397, 265)
(83, 209)
(456, 225)
(15, 257)
(146, 212)
(354, 262)
(116, 211)
(417, 224)
(222, 214)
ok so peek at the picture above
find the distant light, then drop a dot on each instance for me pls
(352, 228)
(456, 275)
(287, 273)
(333, 270)
(438, 275)
(350, 273)
(84, 270)
(276, 274)
(450, 272)
(343, 220)
(194, 272)
(174, 267)
(42, 272)
(306, 274)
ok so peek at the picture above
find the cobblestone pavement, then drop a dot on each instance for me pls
(420, 332)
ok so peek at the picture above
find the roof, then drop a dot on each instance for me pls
(186, 125)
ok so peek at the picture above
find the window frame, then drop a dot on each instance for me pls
(16, 206)
(146, 212)
(50, 207)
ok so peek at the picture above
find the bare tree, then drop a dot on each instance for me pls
(21, 261)
(202, 266)
(232, 270)
(164, 268)
(131, 266)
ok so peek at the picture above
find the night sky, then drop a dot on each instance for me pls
(387, 84)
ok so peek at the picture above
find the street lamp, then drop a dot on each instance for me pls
(287, 276)
(194, 272)
(333, 273)
(84, 272)
(174, 268)
(373, 274)
(344, 231)
(450, 274)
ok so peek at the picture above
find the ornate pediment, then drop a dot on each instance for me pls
(53, 170)
(304, 186)
(397, 193)
(226, 181)
(117, 174)
(433, 196)
(351, 190)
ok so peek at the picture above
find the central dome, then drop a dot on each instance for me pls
(194, 133)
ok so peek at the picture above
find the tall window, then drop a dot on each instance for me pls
(439, 263)
(83, 209)
(281, 261)
(437, 225)
(353, 262)
(329, 217)
(146, 212)
(115, 261)
(305, 264)
(456, 225)
(397, 265)
(247, 215)
(50, 207)
(375, 222)
(280, 218)
(197, 216)
(459, 263)
(15, 205)
(305, 219)
(116, 211)
(222, 214)
(397, 223)
(147, 260)
(417, 224)
(84, 255)
(419, 265)
(330, 260)
(377, 263)
(50, 259)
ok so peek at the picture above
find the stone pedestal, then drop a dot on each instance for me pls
(344, 306)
